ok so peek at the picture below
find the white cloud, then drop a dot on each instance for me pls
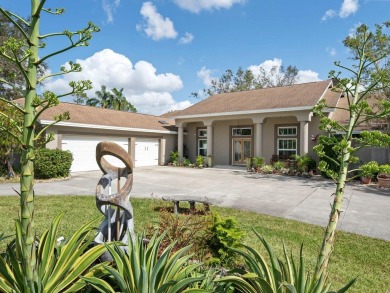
(331, 51)
(269, 68)
(307, 76)
(205, 75)
(348, 7)
(156, 26)
(186, 39)
(197, 5)
(267, 65)
(329, 14)
(148, 91)
(275, 64)
(109, 8)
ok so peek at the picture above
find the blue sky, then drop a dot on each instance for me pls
(162, 51)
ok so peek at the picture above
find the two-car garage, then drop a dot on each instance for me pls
(146, 152)
(148, 139)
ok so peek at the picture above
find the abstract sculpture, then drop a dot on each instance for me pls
(116, 207)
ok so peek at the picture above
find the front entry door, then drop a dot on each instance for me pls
(241, 149)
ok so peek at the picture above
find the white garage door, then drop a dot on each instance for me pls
(83, 148)
(146, 152)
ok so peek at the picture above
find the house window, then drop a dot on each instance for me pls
(287, 131)
(242, 131)
(202, 142)
(287, 147)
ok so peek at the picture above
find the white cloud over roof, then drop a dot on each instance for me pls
(197, 5)
(147, 90)
(156, 26)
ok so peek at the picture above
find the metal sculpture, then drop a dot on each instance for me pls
(116, 208)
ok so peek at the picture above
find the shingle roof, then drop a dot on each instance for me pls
(341, 115)
(293, 96)
(106, 117)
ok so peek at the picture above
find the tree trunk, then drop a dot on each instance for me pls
(9, 162)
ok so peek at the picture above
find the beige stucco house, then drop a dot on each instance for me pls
(271, 122)
(265, 122)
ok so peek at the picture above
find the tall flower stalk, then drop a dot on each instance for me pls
(369, 77)
(23, 52)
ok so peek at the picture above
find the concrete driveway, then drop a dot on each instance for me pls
(366, 210)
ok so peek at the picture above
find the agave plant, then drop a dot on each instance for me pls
(139, 268)
(280, 276)
(59, 266)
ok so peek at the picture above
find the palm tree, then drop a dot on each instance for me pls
(120, 102)
(111, 100)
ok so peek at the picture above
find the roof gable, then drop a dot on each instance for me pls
(295, 96)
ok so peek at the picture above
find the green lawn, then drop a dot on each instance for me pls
(354, 255)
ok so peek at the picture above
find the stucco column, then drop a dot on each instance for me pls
(161, 155)
(304, 137)
(180, 141)
(258, 140)
(209, 140)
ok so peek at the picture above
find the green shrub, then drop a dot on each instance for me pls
(225, 234)
(143, 269)
(258, 161)
(279, 165)
(174, 156)
(277, 275)
(52, 163)
(186, 162)
(302, 162)
(369, 170)
(199, 161)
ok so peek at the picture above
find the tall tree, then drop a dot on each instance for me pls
(113, 99)
(11, 79)
(244, 80)
(13, 120)
(120, 102)
(23, 53)
(366, 76)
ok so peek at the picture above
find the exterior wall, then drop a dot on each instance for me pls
(269, 135)
(190, 140)
(169, 139)
(314, 132)
(266, 122)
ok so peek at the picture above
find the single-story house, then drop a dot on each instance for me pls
(270, 122)
(149, 139)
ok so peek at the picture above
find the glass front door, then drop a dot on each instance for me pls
(241, 150)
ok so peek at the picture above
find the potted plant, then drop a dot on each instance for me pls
(384, 176)
(368, 172)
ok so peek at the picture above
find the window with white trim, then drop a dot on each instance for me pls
(287, 147)
(243, 131)
(287, 131)
(202, 142)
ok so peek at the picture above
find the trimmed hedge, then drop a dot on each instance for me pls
(52, 163)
